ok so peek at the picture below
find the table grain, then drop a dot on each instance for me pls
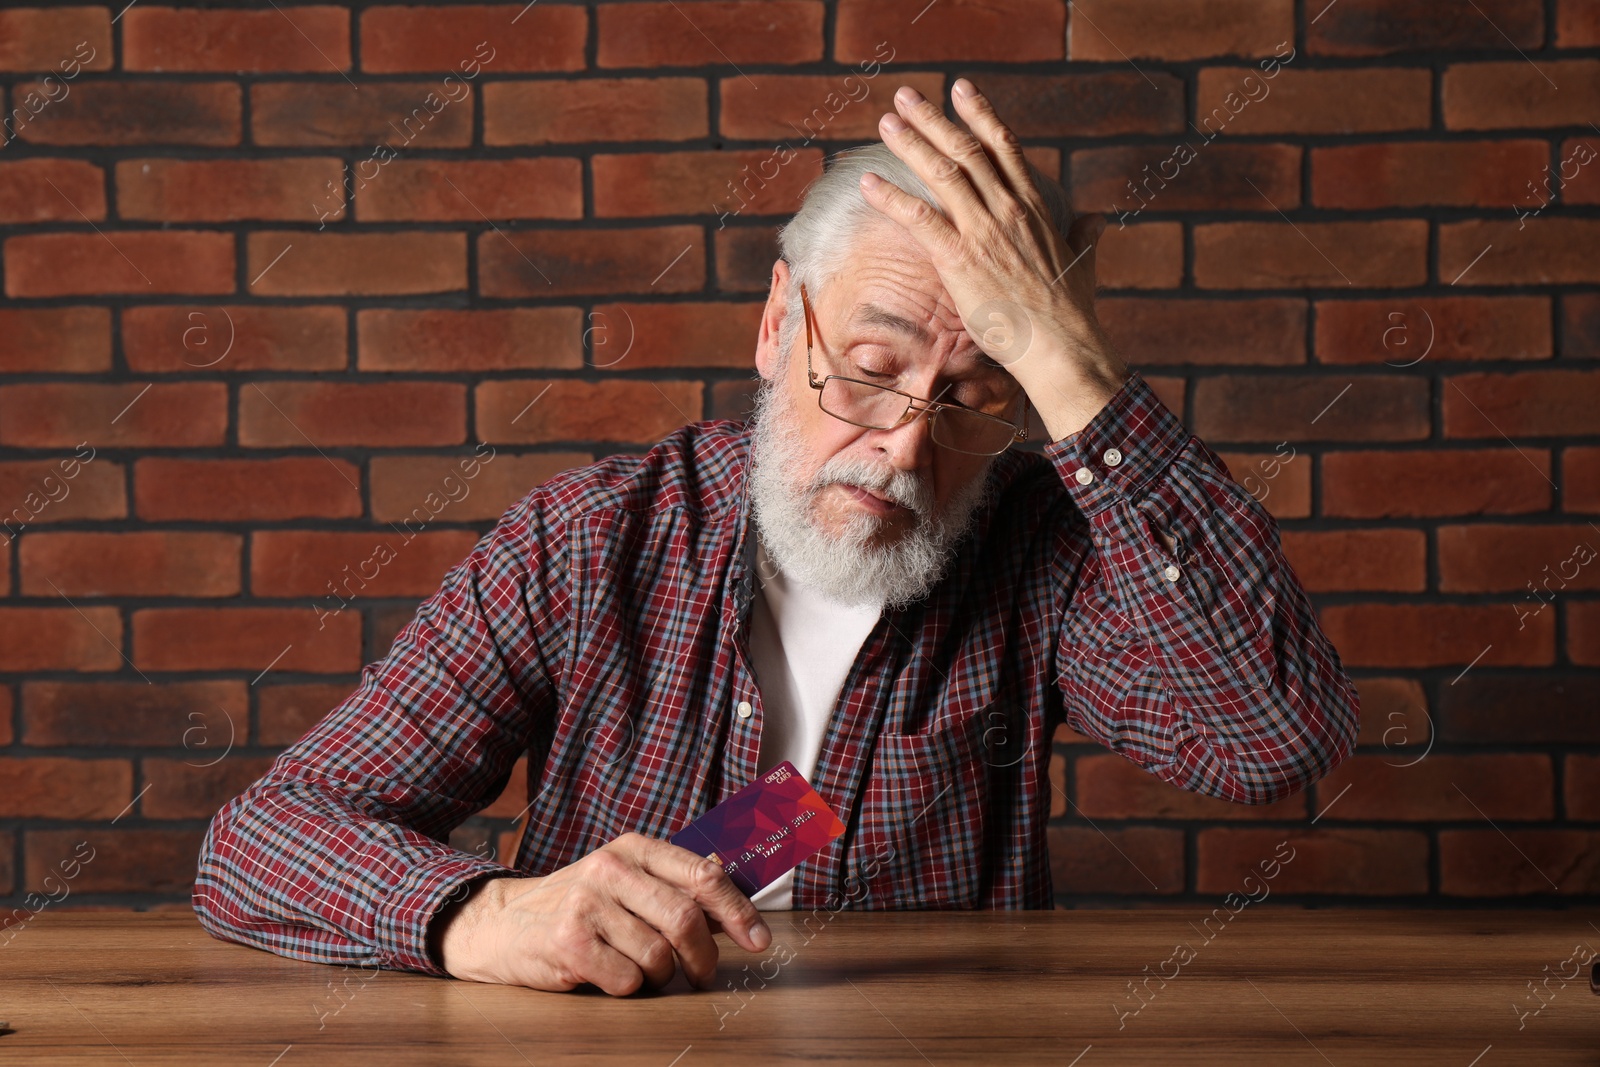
(1276, 985)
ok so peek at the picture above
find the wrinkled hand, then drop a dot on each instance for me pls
(1024, 292)
(616, 919)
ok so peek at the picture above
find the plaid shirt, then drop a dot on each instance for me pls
(601, 627)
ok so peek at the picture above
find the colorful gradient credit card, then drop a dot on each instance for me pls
(764, 830)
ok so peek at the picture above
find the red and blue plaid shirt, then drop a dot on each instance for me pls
(601, 628)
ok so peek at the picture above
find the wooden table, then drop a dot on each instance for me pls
(1274, 986)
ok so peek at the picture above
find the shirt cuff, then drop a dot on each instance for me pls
(1125, 447)
(401, 930)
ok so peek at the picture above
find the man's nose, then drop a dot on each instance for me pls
(910, 443)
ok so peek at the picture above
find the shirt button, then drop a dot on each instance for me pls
(1171, 573)
(744, 709)
(1112, 457)
(1084, 476)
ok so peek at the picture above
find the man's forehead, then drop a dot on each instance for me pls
(870, 313)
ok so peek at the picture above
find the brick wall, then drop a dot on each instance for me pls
(272, 276)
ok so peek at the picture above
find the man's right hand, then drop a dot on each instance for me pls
(616, 919)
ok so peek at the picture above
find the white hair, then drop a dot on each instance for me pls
(819, 241)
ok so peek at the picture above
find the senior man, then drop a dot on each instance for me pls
(864, 579)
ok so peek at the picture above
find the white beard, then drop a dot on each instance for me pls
(847, 568)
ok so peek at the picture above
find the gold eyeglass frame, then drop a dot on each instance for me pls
(933, 407)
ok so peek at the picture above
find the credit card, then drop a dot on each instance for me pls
(764, 830)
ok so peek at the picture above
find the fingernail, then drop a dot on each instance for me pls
(870, 180)
(760, 935)
(894, 122)
(964, 87)
(908, 95)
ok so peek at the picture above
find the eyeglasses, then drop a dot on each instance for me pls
(877, 407)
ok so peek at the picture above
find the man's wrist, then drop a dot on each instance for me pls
(451, 932)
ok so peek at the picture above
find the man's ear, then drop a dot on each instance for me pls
(767, 355)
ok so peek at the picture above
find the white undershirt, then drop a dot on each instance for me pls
(803, 644)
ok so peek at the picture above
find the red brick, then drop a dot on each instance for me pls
(1277, 255)
(1104, 104)
(1577, 24)
(288, 711)
(1394, 715)
(1170, 391)
(286, 413)
(1135, 860)
(1455, 173)
(712, 32)
(1521, 708)
(1495, 558)
(5, 693)
(1380, 27)
(1276, 408)
(1144, 256)
(472, 38)
(965, 31)
(138, 262)
(513, 799)
(401, 484)
(439, 339)
(60, 639)
(246, 490)
(1580, 325)
(1320, 861)
(397, 114)
(1242, 100)
(1574, 176)
(1125, 180)
(1058, 784)
(64, 39)
(195, 788)
(547, 263)
(1580, 479)
(1111, 787)
(1386, 485)
(1583, 787)
(1437, 635)
(144, 563)
(26, 193)
(136, 113)
(246, 639)
(47, 414)
(1404, 332)
(308, 39)
(1583, 632)
(1279, 480)
(1441, 788)
(674, 335)
(799, 108)
(1176, 30)
(1541, 251)
(1346, 560)
(344, 566)
(60, 340)
(703, 183)
(8, 870)
(745, 258)
(225, 190)
(435, 190)
(34, 491)
(554, 111)
(118, 713)
(356, 264)
(623, 411)
(1483, 863)
(1545, 403)
(233, 337)
(1268, 330)
(1517, 94)
(52, 788)
(114, 860)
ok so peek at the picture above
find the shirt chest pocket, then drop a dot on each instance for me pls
(923, 815)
